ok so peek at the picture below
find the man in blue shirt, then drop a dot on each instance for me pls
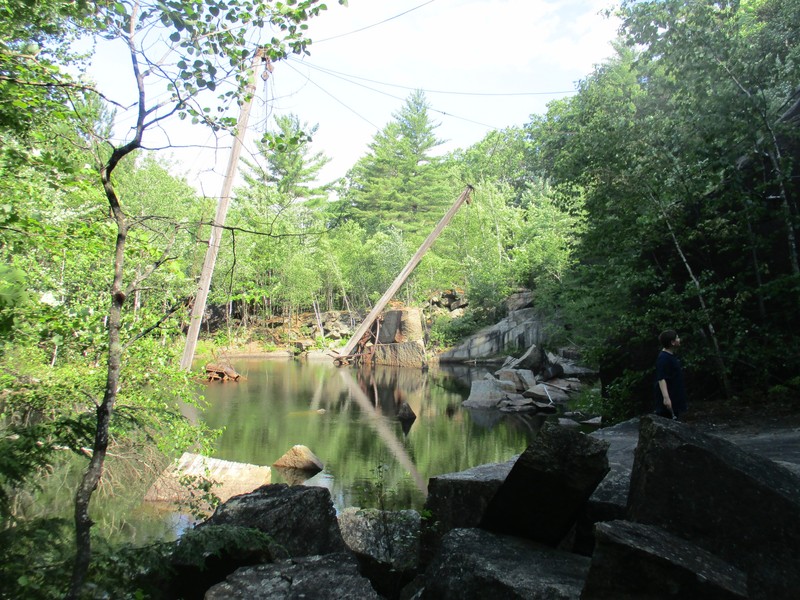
(670, 391)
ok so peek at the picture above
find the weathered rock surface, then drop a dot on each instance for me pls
(609, 501)
(518, 404)
(520, 329)
(390, 537)
(485, 394)
(300, 520)
(477, 564)
(336, 325)
(545, 491)
(459, 500)
(398, 326)
(386, 544)
(736, 525)
(294, 476)
(546, 393)
(229, 478)
(402, 354)
(568, 367)
(301, 458)
(520, 299)
(520, 379)
(632, 561)
(740, 506)
(329, 577)
(533, 359)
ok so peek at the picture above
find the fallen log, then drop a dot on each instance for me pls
(219, 372)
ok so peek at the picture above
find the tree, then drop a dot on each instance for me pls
(499, 158)
(667, 150)
(399, 182)
(291, 169)
(34, 45)
(276, 220)
(738, 51)
(207, 49)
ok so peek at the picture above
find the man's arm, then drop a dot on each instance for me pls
(662, 385)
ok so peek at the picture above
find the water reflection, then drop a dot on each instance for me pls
(349, 419)
(388, 437)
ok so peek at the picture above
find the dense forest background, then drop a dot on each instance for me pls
(663, 194)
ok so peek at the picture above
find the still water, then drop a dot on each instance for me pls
(349, 419)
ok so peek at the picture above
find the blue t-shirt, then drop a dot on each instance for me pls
(668, 368)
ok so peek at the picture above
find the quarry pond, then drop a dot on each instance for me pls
(349, 419)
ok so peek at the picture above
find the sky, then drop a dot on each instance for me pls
(483, 65)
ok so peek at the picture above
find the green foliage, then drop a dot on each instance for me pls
(622, 399)
(399, 182)
(35, 559)
(590, 401)
(198, 544)
(674, 157)
(275, 260)
(660, 195)
(446, 332)
(291, 169)
(202, 499)
(500, 158)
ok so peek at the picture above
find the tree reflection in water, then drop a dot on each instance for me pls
(349, 418)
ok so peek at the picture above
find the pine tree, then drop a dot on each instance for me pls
(399, 183)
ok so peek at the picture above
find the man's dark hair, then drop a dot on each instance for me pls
(667, 337)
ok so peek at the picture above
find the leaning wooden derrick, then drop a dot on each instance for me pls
(354, 349)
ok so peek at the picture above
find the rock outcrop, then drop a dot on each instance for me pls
(474, 564)
(520, 329)
(400, 339)
(688, 516)
(401, 354)
(459, 500)
(386, 544)
(543, 495)
(656, 564)
(527, 384)
(300, 520)
(328, 577)
(740, 506)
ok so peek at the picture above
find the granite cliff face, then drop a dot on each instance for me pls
(521, 329)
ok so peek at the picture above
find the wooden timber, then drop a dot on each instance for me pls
(365, 326)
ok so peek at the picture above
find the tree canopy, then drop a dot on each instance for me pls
(681, 151)
(662, 194)
(400, 182)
